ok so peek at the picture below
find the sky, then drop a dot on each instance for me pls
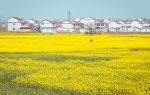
(58, 9)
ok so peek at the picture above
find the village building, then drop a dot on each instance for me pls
(47, 26)
(145, 25)
(136, 25)
(114, 26)
(33, 24)
(3, 26)
(77, 26)
(101, 26)
(16, 23)
(89, 24)
(66, 27)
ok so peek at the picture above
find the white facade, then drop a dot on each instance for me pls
(145, 26)
(79, 25)
(89, 24)
(67, 24)
(33, 24)
(47, 26)
(123, 24)
(136, 24)
(14, 24)
(123, 29)
(145, 29)
(114, 24)
(101, 26)
(66, 27)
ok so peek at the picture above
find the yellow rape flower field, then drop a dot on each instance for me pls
(74, 64)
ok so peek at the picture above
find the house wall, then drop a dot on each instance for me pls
(146, 25)
(88, 23)
(145, 30)
(46, 30)
(114, 25)
(13, 25)
(67, 25)
(104, 30)
(47, 27)
(123, 30)
(46, 24)
(136, 24)
(122, 23)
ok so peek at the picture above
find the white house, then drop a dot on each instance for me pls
(15, 24)
(131, 26)
(114, 26)
(89, 24)
(3, 26)
(33, 24)
(66, 27)
(98, 26)
(47, 26)
(136, 26)
(123, 24)
(136, 23)
(146, 29)
(77, 26)
(145, 26)
(101, 26)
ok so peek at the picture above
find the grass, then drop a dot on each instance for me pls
(39, 64)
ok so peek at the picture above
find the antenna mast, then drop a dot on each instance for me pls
(69, 15)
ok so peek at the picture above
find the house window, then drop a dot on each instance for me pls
(98, 24)
(22, 24)
(14, 29)
(102, 24)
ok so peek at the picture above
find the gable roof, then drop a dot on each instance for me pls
(18, 18)
(116, 21)
(33, 20)
(69, 22)
(77, 22)
(47, 21)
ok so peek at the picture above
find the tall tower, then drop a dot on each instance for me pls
(69, 15)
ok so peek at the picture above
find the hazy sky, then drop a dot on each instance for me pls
(58, 9)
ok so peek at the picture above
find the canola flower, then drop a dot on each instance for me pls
(71, 65)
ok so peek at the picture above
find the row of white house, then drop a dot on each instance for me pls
(79, 25)
(18, 24)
